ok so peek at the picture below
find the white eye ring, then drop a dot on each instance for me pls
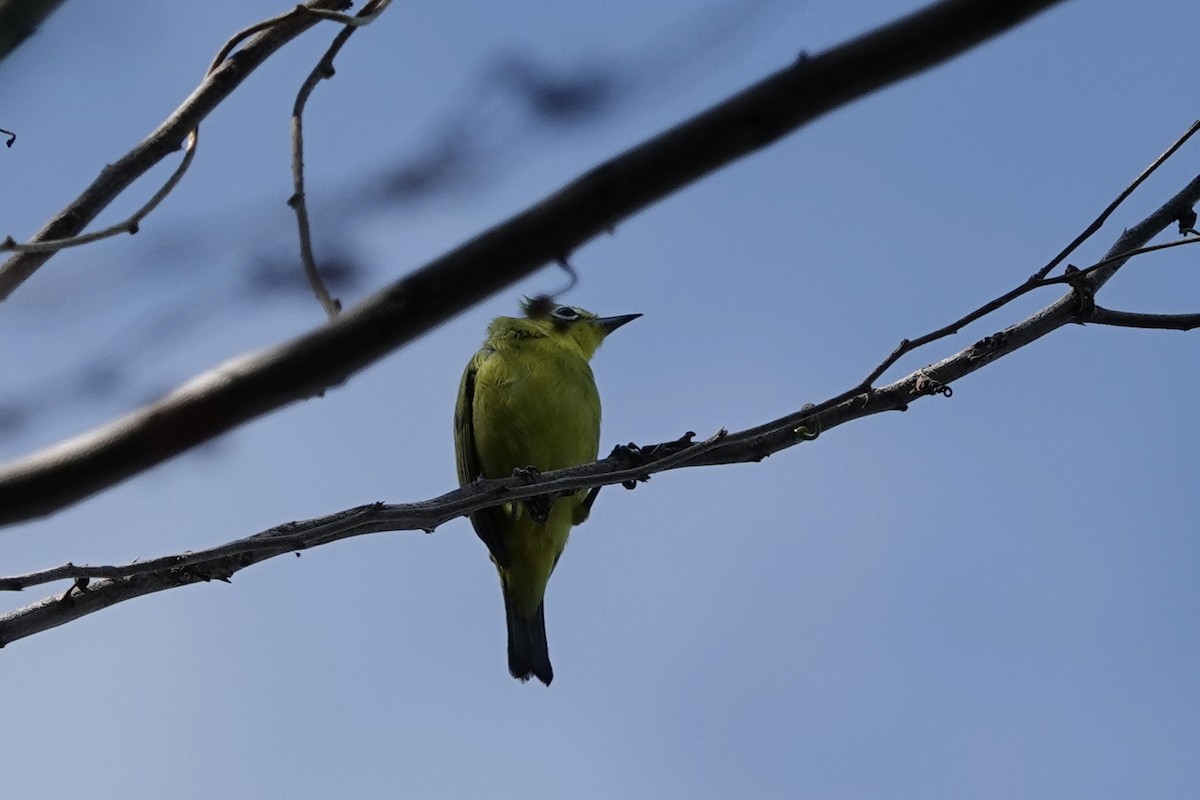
(565, 313)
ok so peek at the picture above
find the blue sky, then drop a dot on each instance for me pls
(988, 596)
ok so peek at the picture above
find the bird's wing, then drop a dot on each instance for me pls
(485, 522)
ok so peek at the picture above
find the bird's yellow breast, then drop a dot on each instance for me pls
(535, 406)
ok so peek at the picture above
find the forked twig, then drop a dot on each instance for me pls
(1039, 279)
(181, 128)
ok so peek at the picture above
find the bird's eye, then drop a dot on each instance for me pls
(565, 313)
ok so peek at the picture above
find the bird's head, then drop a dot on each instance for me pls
(544, 317)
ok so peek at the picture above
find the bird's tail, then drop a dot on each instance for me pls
(528, 654)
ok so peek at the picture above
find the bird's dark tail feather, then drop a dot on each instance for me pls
(528, 654)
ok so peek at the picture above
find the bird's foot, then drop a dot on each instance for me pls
(634, 456)
(538, 506)
(527, 474)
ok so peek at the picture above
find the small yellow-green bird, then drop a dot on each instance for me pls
(528, 402)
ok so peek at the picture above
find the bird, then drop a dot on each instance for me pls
(528, 403)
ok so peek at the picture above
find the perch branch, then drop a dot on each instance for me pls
(120, 583)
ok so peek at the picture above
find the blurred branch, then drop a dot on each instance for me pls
(627, 465)
(227, 72)
(255, 384)
(19, 19)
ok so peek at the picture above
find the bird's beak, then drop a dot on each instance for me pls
(610, 324)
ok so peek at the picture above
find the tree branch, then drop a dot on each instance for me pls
(322, 71)
(225, 76)
(120, 583)
(1131, 319)
(240, 390)
(1039, 279)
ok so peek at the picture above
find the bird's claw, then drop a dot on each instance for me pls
(538, 506)
(527, 474)
(633, 455)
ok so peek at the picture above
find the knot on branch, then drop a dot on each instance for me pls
(79, 585)
(988, 345)
(1187, 222)
(1085, 294)
(193, 573)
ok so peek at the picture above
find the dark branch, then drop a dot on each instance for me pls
(1131, 319)
(1039, 279)
(1106, 213)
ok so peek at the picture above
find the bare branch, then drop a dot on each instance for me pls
(379, 517)
(1106, 213)
(124, 582)
(1073, 276)
(369, 14)
(323, 70)
(226, 75)
(1039, 279)
(248, 387)
(130, 225)
(1131, 319)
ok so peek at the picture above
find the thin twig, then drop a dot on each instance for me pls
(258, 27)
(1038, 279)
(322, 71)
(130, 225)
(369, 14)
(1106, 213)
(1119, 258)
(179, 127)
